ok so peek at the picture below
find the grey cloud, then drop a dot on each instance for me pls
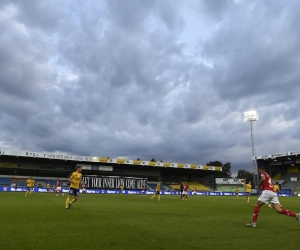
(116, 79)
(216, 9)
(130, 15)
(42, 15)
(253, 60)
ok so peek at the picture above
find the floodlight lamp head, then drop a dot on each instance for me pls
(250, 116)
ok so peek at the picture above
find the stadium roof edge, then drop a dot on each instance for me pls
(275, 155)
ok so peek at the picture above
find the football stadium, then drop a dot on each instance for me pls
(101, 173)
(119, 209)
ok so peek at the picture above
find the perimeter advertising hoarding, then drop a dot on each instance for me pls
(139, 192)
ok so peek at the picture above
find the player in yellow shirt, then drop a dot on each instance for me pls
(75, 180)
(48, 187)
(29, 186)
(277, 189)
(122, 190)
(32, 186)
(237, 192)
(248, 188)
(157, 191)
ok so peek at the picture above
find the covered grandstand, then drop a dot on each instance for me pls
(47, 167)
(283, 168)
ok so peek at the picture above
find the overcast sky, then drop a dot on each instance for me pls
(162, 79)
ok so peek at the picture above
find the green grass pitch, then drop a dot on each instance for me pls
(115, 221)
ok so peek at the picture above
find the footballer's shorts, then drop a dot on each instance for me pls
(74, 191)
(269, 196)
(184, 192)
(157, 192)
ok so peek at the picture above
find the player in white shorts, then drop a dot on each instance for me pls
(58, 188)
(268, 195)
(185, 191)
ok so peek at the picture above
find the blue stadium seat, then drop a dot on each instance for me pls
(152, 185)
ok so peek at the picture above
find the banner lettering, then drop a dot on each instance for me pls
(114, 182)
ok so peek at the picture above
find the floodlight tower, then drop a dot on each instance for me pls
(252, 116)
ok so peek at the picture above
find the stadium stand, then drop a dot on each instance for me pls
(286, 180)
(40, 182)
(175, 186)
(192, 185)
(198, 186)
(151, 185)
(229, 188)
(5, 181)
(287, 184)
(21, 183)
(163, 187)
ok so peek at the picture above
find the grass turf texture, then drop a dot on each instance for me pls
(105, 222)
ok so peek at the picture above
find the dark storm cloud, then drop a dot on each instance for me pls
(125, 78)
(216, 9)
(256, 56)
(41, 15)
(130, 16)
(255, 64)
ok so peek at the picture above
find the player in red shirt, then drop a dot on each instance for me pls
(195, 191)
(185, 191)
(268, 195)
(83, 188)
(58, 188)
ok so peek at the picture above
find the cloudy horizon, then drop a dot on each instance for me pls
(150, 79)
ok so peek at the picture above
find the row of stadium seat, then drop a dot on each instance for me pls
(152, 186)
(7, 181)
(229, 189)
(198, 186)
(192, 185)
